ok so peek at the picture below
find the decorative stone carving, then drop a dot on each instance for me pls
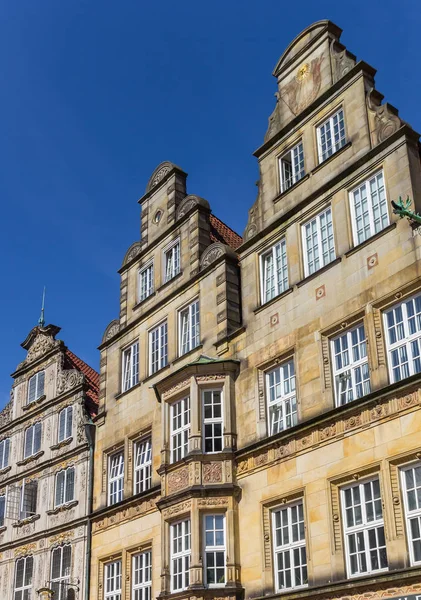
(386, 116)
(134, 250)
(188, 203)
(342, 61)
(158, 175)
(304, 87)
(211, 502)
(6, 414)
(176, 510)
(212, 472)
(274, 121)
(26, 549)
(69, 379)
(178, 480)
(112, 329)
(175, 388)
(61, 538)
(213, 252)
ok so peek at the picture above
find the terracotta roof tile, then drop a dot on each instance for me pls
(92, 379)
(220, 232)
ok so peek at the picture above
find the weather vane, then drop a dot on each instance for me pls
(41, 320)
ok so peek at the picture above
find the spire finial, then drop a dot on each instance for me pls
(41, 321)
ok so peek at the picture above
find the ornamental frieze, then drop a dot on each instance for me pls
(61, 538)
(176, 510)
(127, 514)
(178, 480)
(26, 549)
(212, 472)
(175, 388)
(69, 379)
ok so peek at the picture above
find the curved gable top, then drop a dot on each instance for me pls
(160, 173)
(304, 40)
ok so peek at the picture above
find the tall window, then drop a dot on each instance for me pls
(331, 135)
(369, 208)
(65, 486)
(180, 428)
(23, 578)
(289, 545)
(318, 241)
(274, 271)
(36, 387)
(65, 422)
(2, 509)
(158, 348)
(365, 544)
(403, 331)
(142, 576)
(61, 565)
(112, 581)
(189, 328)
(214, 550)
(292, 166)
(142, 466)
(4, 453)
(281, 397)
(28, 499)
(172, 261)
(212, 420)
(130, 368)
(145, 282)
(115, 478)
(411, 480)
(180, 555)
(32, 440)
(350, 365)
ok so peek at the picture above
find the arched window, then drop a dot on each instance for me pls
(61, 565)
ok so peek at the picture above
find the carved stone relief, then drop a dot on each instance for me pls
(342, 62)
(386, 117)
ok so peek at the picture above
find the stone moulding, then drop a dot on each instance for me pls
(26, 521)
(62, 507)
(214, 252)
(188, 203)
(6, 413)
(69, 379)
(387, 121)
(127, 513)
(133, 251)
(30, 459)
(111, 330)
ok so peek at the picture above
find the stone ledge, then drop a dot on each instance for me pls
(5, 470)
(29, 459)
(62, 507)
(26, 521)
(65, 442)
(34, 403)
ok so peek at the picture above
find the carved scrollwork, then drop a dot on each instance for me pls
(158, 175)
(342, 61)
(134, 250)
(386, 116)
(213, 252)
(69, 379)
(188, 203)
(6, 414)
(111, 330)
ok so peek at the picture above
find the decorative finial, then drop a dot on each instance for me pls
(41, 320)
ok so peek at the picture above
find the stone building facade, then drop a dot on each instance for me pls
(258, 429)
(46, 454)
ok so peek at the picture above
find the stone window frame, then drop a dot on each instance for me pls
(127, 574)
(327, 115)
(179, 310)
(72, 557)
(106, 454)
(104, 560)
(142, 269)
(267, 507)
(282, 238)
(123, 351)
(179, 512)
(180, 390)
(132, 440)
(157, 326)
(315, 215)
(287, 150)
(172, 244)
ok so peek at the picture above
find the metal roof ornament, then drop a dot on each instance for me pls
(401, 208)
(41, 320)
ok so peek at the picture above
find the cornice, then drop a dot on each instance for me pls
(46, 533)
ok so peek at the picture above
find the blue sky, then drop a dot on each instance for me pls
(94, 94)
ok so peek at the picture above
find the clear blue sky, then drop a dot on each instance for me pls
(95, 93)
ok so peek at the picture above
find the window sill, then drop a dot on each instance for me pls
(29, 459)
(156, 373)
(34, 403)
(5, 470)
(331, 157)
(319, 272)
(179, 358)
(272, 301)
(373, 238)
(166, 283)
(3, 529)
(144, 301)
(120, 394)
(295, 185)
(23, 522)
(61, 444)
(62, 507)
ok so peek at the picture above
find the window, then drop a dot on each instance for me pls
(365, 544)
(130, 367)
(411, 483)
(172, 261)
(180, 428)
(331, 135)
(141, 576)
(318, 242)
(145, 282)
(369, 208)
(65, 421)
(65, 486)
(281, 397)
(212, 420)
(36, 387)
(189, 328)
(4, 453)
(403, 332)
(23, 578)
(112, 581)
(115, 478)
(180, 555)
(274, 271)
(61, 564)
(2, 509)
(350, 365)
(142, 466)
(32, 440)
(214, 550)
(158, 348)
(28, 499)
(289, 544)
(291, 166)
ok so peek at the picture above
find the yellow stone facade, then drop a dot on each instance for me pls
(244, 466)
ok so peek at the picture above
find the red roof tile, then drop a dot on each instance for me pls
(220, 232)
(92, 379)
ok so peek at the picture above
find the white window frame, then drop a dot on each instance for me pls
(383, 219)
(363, 528)
(23, 513)
(180, 423)
(351, 374)
(173, 250)
(67, 415)
(322, 261)
(213, 421)
(183, 530)
(3, 502)
(407, 343)
(4, 453)
(32, 429)
(113, 581)
(161, 359)
(286, 402)
(335, 145)
(63, 579)
(214, 549)
(146, 286)
(294, 157)
(19, 593)
(39, 387)
(115, 482)
(130, 367)
(411, 514)
(68, 494)
(142, 576)
(189, 320)
(274, 268)
(291, 547)
(142, 465)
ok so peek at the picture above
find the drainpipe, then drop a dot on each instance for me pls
(90, 435)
